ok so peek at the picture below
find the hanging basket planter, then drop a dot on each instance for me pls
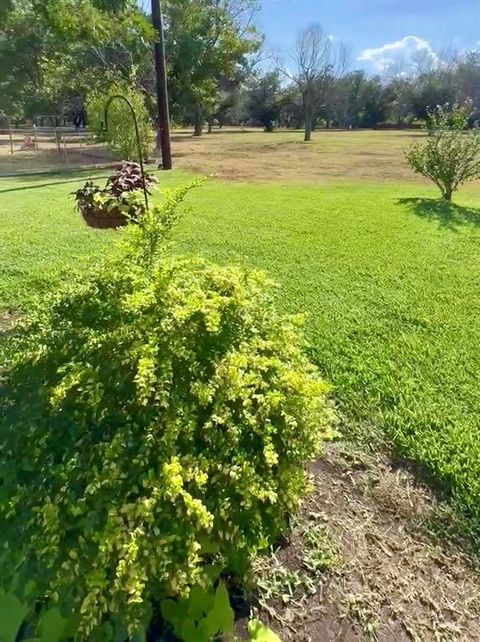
(100, 219)
(121, 201)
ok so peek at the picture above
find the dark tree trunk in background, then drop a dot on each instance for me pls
(210, 124)
(308, 125)
(307, 112)
(198, 122)
(308, 130)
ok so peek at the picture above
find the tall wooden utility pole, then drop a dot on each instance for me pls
(162, 90)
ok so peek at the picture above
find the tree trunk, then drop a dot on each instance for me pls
(447, 194)
(307, 112)
(198, 122)
(308, 128)
(210, 124)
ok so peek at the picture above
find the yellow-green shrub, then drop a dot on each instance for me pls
(154, 421)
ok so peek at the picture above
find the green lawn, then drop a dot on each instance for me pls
(389, 285)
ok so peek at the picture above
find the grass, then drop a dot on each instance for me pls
(387, 277)
(392, 302)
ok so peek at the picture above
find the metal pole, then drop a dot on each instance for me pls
(139, 146)
(162, 89)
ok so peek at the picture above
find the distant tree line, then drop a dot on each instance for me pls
(317, 89)
(54, 53)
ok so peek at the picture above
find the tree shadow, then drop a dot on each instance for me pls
(449, 215)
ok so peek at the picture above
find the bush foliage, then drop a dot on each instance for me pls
(450, 155)
(120, 135)
(155, 422)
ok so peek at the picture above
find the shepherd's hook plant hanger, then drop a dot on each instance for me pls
(137, 135)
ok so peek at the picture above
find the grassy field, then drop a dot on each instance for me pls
(283, 157)
(387, 277)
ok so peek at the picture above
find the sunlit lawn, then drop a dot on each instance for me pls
(389, 286)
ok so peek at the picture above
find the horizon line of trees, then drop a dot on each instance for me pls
(54, 53)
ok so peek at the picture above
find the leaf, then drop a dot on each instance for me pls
(12, 614)
(173, 612)
(188, 632)
(258, 632)
(140, 635)
(203, 632)
(200, 602)
(221, 618)
(120, 633)
(52, 626)
(71, 626)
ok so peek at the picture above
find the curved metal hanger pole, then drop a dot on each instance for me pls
(137, 135)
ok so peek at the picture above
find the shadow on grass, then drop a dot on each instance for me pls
(451, 523)
(40, 185)
(448, 215)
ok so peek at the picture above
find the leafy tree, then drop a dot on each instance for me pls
(450, 155)
(206, 41)
(53, 52)
(349, 99)
(400, 90)
(265, 99)
(291, 107)
(376, 103)
(432, 89)
(229, 100)
(361, 101)
(467, 79)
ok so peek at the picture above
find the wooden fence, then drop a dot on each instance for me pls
(35, 149)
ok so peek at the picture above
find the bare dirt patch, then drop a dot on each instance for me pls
(256, 156)
(391, 580)
(73, 151)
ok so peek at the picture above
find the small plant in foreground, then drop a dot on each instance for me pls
(169, 411)
(450, 154)
(320, 551)
(204, 616)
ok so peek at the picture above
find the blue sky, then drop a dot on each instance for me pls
(378, 31)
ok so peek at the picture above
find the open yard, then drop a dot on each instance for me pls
(386, 275)
(254, 156)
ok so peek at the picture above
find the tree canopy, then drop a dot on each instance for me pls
(53, 52)
(206, 42)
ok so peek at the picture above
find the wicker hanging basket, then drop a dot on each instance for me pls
(98, 218)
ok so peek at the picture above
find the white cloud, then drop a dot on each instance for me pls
(402, 54)
(331, 36)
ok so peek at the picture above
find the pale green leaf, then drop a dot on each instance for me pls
(12, 614)
(258, 632)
